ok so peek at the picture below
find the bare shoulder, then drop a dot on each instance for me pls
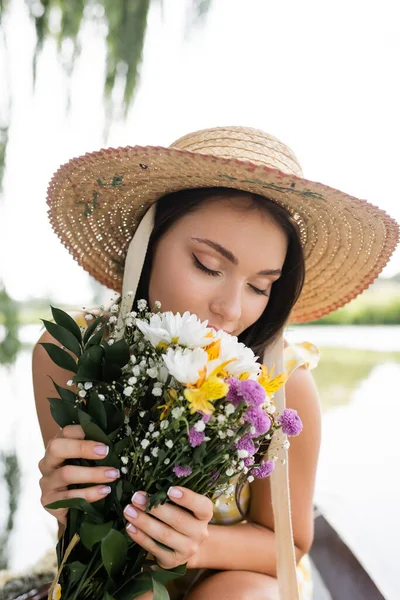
(301, 391)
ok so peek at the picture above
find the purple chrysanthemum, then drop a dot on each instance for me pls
(205, 417)
(213, 474)
(234, 394)
(264, 470)
(182, 471)
(259, 419)
(246, 443)
(252, 392)
(291, 422)
(196, 438)
(249, 461)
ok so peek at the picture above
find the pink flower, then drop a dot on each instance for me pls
(259, 420)
(182, 471)
(264, 470)
(246, 443)
(291, 422)
(196, 438)
(252, 392)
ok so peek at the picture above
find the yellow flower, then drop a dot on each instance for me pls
(56, 592)
(244, 376)
(269, 383)
(213, 350)
(201, 398)
(172, 396)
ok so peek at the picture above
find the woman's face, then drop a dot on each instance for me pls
(219, 262)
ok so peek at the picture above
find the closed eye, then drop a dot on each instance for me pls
(203, 268)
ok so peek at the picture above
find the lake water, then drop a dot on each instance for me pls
(357, 482)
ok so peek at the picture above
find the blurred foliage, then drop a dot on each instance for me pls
(380, 307)
(11, 476)
(341, 370)
(126, 24)
(9, 343)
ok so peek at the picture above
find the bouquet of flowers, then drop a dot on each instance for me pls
(176, 402)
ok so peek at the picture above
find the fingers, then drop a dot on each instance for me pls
(180, 520)
(90, 494)
(60, 449)
(72, 474)
(199, 505)
(72, 432)
(145, 530)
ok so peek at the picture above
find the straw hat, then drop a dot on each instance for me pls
(96, 202)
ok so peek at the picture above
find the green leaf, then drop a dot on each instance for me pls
(115, 425)
(159, 590)
(120, 446)
(165, 575)
(119, 490)
(65, 320)
(76, 570)
(88, 369)
(108, 596)
(111, 372)
(96, 338)
(94, 433)
(136, 587)
(65, 394)
(60, 357)
(118, 353)
(91, 329)
(91, 533)
(96, 353)
(199, 454)
(63, 412)
(83, 417)
(95, 408)
(65, 337)
(114, 549)
(79, 504)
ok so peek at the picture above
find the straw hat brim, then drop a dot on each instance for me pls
(96, 202)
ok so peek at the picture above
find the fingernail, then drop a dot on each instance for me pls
(101, 450)
(173, 492)
(129, 510)
(112, 473)
(131, 528)
(139, 498)
(105, 490)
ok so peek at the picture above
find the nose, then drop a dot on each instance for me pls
(227, 307)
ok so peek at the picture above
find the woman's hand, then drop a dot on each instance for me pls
(70, 443)
(180, 530)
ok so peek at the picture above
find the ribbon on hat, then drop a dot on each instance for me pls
(133, 266)
(285, 554)
(279, 478)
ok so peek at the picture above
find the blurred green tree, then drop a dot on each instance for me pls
(126, 22)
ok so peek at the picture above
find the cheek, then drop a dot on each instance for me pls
(253, 308)
(176, 285)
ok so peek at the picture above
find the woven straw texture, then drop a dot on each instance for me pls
(97, 200)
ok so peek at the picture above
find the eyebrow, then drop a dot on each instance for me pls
(231, 257)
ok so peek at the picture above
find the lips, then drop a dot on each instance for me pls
(219, 329)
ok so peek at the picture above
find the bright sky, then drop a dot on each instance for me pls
(320, 76)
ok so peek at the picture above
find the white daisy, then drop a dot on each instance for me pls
(169, 328)
(186, 364)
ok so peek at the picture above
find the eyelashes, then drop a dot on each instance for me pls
(203, 268)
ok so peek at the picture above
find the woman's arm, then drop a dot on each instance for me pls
(251, 546)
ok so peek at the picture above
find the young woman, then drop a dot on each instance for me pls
(238, 238)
